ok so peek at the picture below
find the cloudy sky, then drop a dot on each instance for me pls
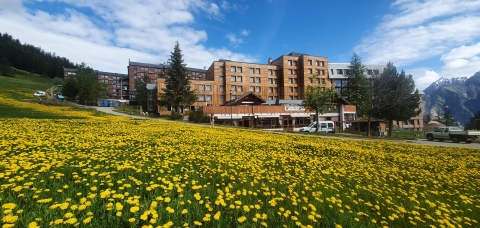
(428, 39)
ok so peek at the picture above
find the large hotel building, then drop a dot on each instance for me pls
(258, 95)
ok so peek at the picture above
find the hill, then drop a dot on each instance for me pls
(461, 95)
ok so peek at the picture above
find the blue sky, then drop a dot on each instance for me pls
(429, 39)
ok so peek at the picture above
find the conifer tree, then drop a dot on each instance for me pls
(357, 91)
(177, 93)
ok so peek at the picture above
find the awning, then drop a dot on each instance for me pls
(227, 117)
(300, 115)
(267, 116)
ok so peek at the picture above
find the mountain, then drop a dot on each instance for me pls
(461, 96)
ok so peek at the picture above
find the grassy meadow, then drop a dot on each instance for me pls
(88, 170)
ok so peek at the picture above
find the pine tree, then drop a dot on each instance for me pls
(357, 91)
(177, 93)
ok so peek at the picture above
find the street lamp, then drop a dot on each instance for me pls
(446, 120)
(231, 115)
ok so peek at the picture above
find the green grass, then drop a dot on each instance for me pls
(23, 84)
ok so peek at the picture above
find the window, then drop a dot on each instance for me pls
(295, 89)
(257, 80)
(275, 89)
(289, 62)
(240, 88)
(252, 88)
(234, 97)
(290, 97)
(294, 62)
(290, 80)
(322, 72)
(338, 82)
(310, 71)
(233, 88)
(369, 71)
(317, 63)
(201, 87)
(332, 72)
(269, 72)
(275, 81)
(270, 81)
(222, 97)
(294, 71)
(274, 72)
(317, 80)
(317, 71)
(295, 81)
(339, 71)
(323, 81)
(295, 97)
(221, 68)
(142, 74)
(252, 70)
(142, 68)
(290, 89)
(322, 63)
(270, 89)
(209, 97)
(233, 78)
(222, 78)
(252, 79)
(208, 88)
(290, 71)
(257, 89)
(146, 68)
(270, 98)
(309, 62)
(233, 69)
(257, 70)
(222, 88)
(239, 78)
(201, 97)
(239, 69)
(376, 72)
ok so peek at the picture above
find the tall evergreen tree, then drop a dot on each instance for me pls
(319, 98)
(177, 93)
(70, 87)
(142, 92)
(395, 96)
(357, 91)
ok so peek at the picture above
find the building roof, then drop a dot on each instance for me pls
(151, 86)
(111, 74)
(247, 97)
(69, 69)
(284, 102)
(163, 66)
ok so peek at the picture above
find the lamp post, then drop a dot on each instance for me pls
(231, 115)
(446, 120)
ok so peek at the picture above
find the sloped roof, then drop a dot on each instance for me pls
(250, 96)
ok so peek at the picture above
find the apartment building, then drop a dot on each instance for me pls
(117, 84)
(117, 88)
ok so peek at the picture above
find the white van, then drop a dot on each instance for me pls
(325, 126)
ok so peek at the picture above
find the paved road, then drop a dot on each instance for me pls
(419, 141)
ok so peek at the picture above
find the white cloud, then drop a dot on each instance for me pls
(117, 31)
(233, 39)
(420, 30)
(424, 77)
(245, 32)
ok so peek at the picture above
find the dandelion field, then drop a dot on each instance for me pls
(118, 172)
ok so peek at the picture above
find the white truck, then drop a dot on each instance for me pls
(325, 126)
(455, 134)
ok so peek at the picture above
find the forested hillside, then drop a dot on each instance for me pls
(30, 58)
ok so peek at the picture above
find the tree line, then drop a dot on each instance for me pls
(30, 58)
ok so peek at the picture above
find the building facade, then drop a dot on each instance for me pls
(117, 84)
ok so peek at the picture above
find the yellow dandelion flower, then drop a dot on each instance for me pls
(217, 215)
(242, 219)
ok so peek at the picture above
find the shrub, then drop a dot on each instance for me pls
(198, 117)
(175, 116)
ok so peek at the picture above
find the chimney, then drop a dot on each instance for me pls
(270, 61)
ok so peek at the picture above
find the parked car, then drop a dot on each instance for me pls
(325, 126)
(39, 94)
